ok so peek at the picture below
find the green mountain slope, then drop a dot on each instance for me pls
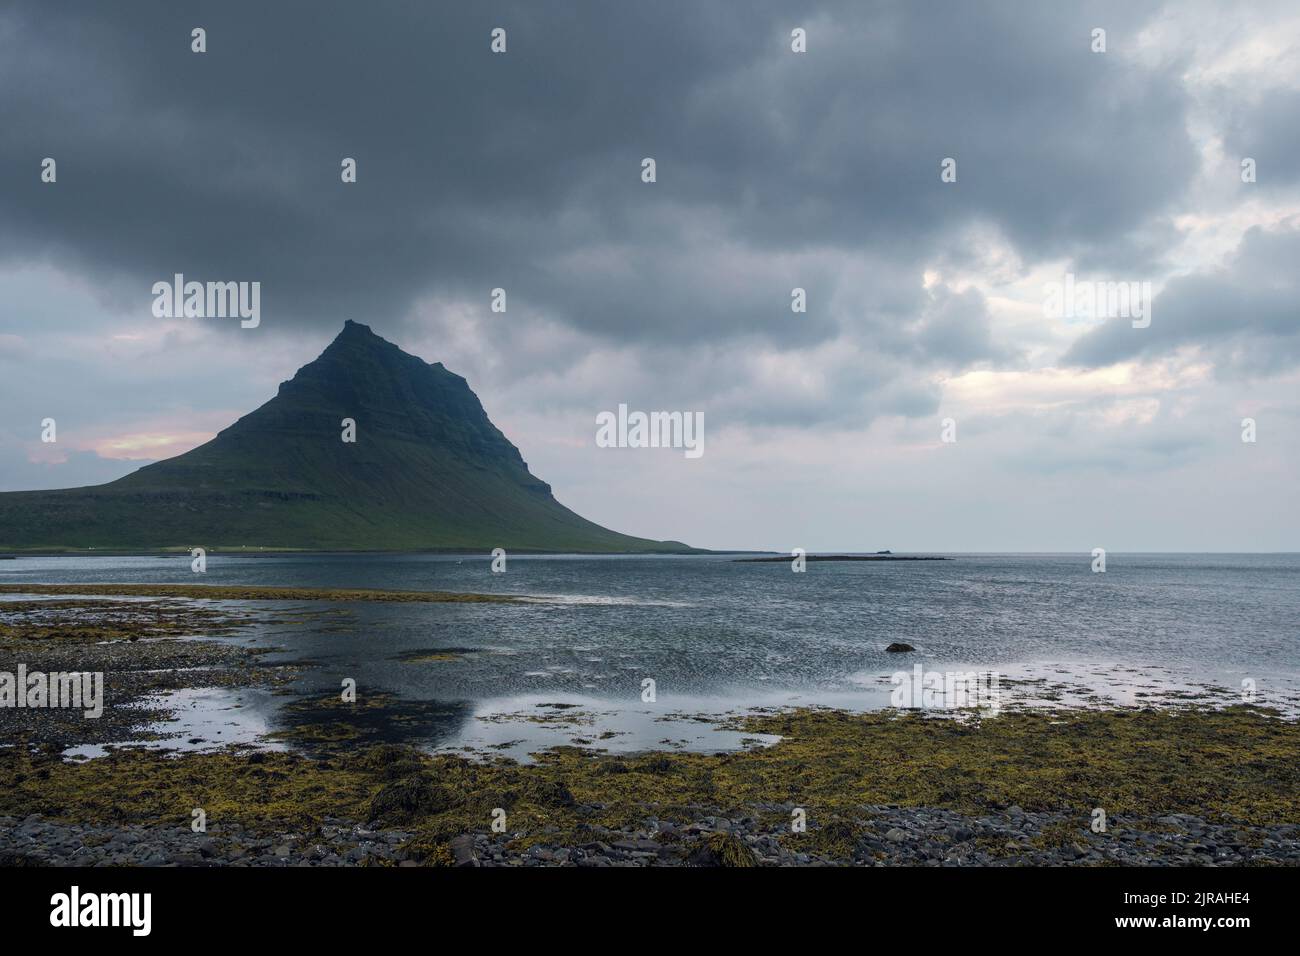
(428, 470)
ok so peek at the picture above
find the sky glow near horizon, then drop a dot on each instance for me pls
(775, 170)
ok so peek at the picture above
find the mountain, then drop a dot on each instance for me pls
(428, 470)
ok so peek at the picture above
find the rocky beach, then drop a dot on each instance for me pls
(1196, 782)
(888, 836)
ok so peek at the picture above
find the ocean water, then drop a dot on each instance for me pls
(720, 636)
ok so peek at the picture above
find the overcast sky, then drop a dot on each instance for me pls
(775, 170)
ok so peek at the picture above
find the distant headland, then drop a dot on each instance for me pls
(878, 556)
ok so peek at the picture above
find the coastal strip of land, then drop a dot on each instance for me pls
(227, 592)
(148, 640)
(1180, 785)
(843, 557)
(1119, 787)
(142, 647)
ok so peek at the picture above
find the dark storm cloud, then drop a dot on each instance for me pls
(522, 170)
(1244, 316)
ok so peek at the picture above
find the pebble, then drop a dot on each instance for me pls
(880, 836)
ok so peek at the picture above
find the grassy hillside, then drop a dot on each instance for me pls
(428, 471)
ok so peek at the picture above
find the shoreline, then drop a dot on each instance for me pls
(1173, 787)
(178, 551)
(181, 663)
(1188, 782)
(889, 836)
(236, 592)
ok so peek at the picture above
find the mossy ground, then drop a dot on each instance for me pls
(1237, 764)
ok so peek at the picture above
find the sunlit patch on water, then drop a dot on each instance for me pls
(1075, 684)
(519, 727)
(599, 600)
(200, 719)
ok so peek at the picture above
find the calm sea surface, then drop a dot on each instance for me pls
(718, 636)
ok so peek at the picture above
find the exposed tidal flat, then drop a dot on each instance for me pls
(225, 697)
(1178, 787)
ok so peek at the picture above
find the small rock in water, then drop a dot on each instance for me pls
(898, 648)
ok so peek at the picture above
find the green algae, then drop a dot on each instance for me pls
(324, 725)
(1237, 764)
(435, 655)
(97, 621)
(140, 786)
(724, 849)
